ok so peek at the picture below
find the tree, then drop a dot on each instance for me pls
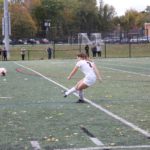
(106, 15)
(131, 20)
(47, 10)
(22, 23)
(148, 9)
(86, 16)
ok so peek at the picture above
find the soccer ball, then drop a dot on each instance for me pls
(3, 72)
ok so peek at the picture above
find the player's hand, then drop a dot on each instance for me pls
(68, 77)
(100, 79)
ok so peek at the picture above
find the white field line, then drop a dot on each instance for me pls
(141, 74)
(127, 66)
(35, 145)
(5, 97)
(136, 128)
(110, 147)
(96, 141)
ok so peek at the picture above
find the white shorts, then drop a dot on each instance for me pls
(89, 80)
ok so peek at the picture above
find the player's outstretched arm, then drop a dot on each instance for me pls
(75, 69)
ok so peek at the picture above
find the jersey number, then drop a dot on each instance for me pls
(89, 64)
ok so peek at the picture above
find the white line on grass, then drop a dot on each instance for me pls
(109, 147)
(127, 66)
(136, 128)
(35, 145)
(96, 141)
(5, 97)
(42, 76)
(118, 118)
(141, 74)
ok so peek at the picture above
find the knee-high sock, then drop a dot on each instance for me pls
(81, 96)
(73, 89)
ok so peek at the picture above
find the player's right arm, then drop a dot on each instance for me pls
(75, 69)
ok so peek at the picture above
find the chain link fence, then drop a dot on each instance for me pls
(69, 51)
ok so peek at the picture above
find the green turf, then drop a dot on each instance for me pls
(34, 109)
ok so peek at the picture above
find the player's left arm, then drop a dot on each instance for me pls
(97, 72)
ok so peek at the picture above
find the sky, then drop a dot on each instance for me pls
(122, 5)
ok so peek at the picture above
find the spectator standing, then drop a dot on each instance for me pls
(94, 51)
(23, 53)
(99, 50)
(0, 51)
(87, 50)
(4, 54)
(49, 51)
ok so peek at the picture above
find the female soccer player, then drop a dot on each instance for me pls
(91, 73)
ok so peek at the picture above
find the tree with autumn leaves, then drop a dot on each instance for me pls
(68, 17)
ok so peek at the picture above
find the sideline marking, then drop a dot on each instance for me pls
(109, 147)
(35, 145)
(127, 66)
(136, 128)
(141, 74)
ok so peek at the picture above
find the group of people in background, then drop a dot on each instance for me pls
(4, 53)
(96, 50)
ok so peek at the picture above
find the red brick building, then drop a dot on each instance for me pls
(147, 29)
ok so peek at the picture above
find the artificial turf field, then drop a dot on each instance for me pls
(35, 115)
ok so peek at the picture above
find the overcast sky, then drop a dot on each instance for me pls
(122, 5)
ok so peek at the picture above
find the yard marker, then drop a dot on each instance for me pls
(110, 147)
(92, 137)
(35, 145)
(136, 128)
(5, 97)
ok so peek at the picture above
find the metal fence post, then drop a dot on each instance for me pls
(105, 50)
(129, 50)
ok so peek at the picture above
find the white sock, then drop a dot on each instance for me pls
(70, 91)
(81, 95)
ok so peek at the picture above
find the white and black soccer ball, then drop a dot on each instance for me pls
(3, 71)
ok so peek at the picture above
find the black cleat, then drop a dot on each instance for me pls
(63, 92)
(80, 101)
(65, 95)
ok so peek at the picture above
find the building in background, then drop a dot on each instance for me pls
(147, 29)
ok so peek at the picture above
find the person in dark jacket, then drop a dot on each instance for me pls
(4, 54)
(49, 51)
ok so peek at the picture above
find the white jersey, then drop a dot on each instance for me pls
(86, 67)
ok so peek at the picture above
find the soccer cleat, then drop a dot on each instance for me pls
(80, 101)
(64, 93)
